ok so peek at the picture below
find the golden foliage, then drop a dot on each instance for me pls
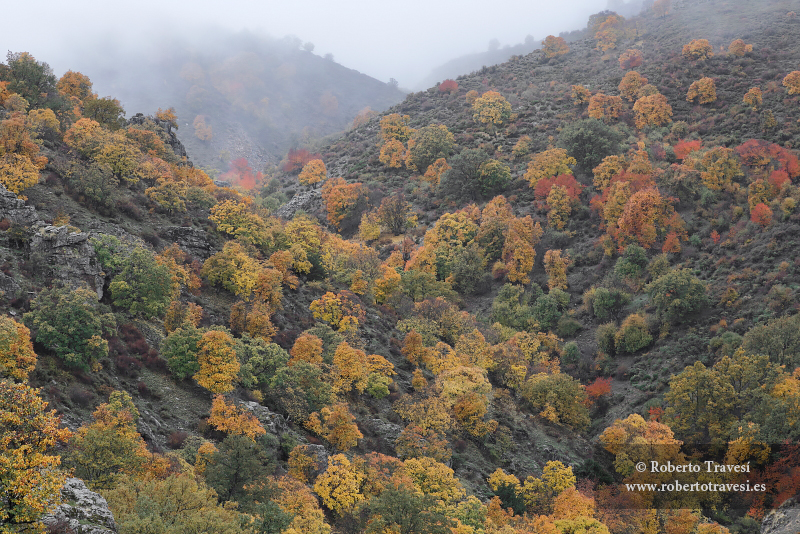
(313, 172)
(630, 85)
(753, 98)
(17, 358)
(218, 363)
(703, 90)
(340, 486)
(491, 108)
(792, 82)
(555, 265)
(698, 50)
(551, 162)
(652, 110)
(232, 419)
(739, 48)
(518, 251)
(554, 46)
(605, 107)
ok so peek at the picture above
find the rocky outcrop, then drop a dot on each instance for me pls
(69, 255)
(15, 210)
(784, 520)
(308, 201)
(273, 422)
(170, 137)
(84, 511)
(192, 240)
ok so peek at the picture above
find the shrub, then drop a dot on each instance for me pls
(605, 336)
(677, 294)
(633, 334)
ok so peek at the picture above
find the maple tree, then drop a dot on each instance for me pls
(29, 473)
(652, 110)
(17, 358)
(698, 50)
(313, 172)
(491, 108)
(553, 46)
(217, 362)
(704, 90)
(792, 82)
(683, 148)
(761, 214)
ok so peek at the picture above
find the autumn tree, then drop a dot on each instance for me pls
(427, 145)
(580, 95)
(554, 46)
(233, 419)
(393, 154)
(703, 90)
(71, 323)
(630, 85)
(33, 80)
(17, 358)
(559, 206)
(633, 334)
(540, 492)
(698, 50)
(558, 397)
(435, 171)
(518, 251)
(491, 109)
(739, 48)
(395, 126)
(307, 347)
(202, 130)
(233, 269)
(605, 107)
(761, 214)
(555, 265)
(609, 167)
(342, 199)
(792, 82)
(719, 167)
(19, 160)
(645, 216)
(551, 162)
(630, 59)
(395, 214)
(337, 425)
(29, 474)
(313, 172)
(217, 362)
(340, 486)
(77, 85)
(753, 98)
(632, 440)
(652, 110)
(339, 311)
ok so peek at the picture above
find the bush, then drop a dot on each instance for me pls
(143, 286)
(677, 295)
(512, 308)
(605, 335)
(589, 141)
(632, 262)
(604, 302)
(633, 334)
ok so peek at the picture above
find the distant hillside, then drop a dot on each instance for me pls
(258, 95)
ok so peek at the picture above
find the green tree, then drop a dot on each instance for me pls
(32, 80)
(494, 177)
(512, 306)
(407, 511)
(180, 351)
(559, 398)
(238, 462)
(260, 361)
(143, 286)
(106, 111)
(71, 324)
(632, 334)
(428, 144)
(677, 294)
(589, 141)
(779, 339)
(463, 179)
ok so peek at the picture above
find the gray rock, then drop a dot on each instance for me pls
(8, 286)
(84, 511)
(784, 520)
(69, 255)
(191, 239)
(308, 201)
(273, 422)
(386, 430)
(15, 210)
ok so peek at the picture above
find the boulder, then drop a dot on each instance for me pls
(273, 422)
(83, 511)
(308, 201)
(192, 240)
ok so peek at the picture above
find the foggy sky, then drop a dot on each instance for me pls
(402, 39)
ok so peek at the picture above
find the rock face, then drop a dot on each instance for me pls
(86, 511)
(15, 210)
(308, 201)
(784, 520)
(70, 255)
(273, 422)
(192, 240)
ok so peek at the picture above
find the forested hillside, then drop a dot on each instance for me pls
(481, 311)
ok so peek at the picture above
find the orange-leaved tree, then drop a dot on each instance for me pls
(739, 48)
(605, 107)
(554, 46)
(313, 172)
(19, 160)
(698, 50)
(704, 90)
(792, 82)
(17, 358)
(31, 480)
(342, 200)
(580, 95)
(630, 59)
(652, 110)
(630, 85)
(518, 251)
(551, 162)
(753, 98)
(218, 363)
(232, 419)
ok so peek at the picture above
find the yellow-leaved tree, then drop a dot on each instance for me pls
(17, 358)
(217, 360)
